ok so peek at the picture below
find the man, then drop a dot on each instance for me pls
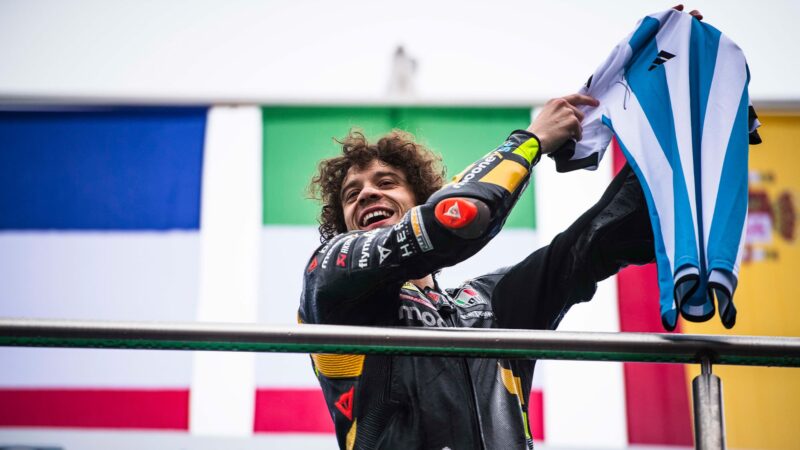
(387, 227)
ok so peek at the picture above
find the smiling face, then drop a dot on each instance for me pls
(375, 196)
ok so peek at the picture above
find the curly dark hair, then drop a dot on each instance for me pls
(423, 169)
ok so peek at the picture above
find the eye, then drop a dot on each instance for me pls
(350, 195)
(387, 182)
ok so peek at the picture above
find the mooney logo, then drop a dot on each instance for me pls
(476, 170)
(661, 59)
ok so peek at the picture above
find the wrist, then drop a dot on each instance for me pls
(542, 137)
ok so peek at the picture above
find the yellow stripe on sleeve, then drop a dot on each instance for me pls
(528, 150)
(508, 175)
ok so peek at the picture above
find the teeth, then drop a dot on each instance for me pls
(369, 216)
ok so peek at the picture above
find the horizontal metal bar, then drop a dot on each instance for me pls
(17, 100)
(29, 100)
(637, 347)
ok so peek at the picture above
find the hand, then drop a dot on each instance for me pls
(559, 120)
(694, 13)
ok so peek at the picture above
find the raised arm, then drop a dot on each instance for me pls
(357, 269)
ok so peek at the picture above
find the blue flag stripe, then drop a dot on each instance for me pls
(118, 169)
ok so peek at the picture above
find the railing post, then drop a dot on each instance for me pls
(709, 423)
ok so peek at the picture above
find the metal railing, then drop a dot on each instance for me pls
(634, 347)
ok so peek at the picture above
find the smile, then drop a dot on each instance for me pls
(375, 215)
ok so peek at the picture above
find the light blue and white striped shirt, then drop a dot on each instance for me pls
(674, 93)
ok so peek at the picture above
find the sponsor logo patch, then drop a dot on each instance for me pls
(312, 265)
(476, 315)
(456, 212)
(330, 251)
(363, 260)
(420, 233)
(384, 252)
(402, 233)
(345, 403)
(341, 260)
(475, 171)
(428, 318)
(468, 297)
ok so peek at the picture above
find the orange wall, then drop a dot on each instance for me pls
(762, 405)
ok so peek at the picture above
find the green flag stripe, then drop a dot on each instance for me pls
(297, 138)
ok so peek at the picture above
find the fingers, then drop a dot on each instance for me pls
(694, 13)
(580, 99)
(560, 120)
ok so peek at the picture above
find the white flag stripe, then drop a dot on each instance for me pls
(142, 276)
(589, 394)
(223, 388)
(99, 275)
(94, 368)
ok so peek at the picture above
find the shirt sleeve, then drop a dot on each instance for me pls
(347, 279)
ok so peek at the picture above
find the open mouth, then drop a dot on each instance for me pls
(374, 217)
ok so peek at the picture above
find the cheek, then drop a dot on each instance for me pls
(410, 201)
(348, 217)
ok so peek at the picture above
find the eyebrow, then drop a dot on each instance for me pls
(378, 174)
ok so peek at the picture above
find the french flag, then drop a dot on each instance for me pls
(99, 219)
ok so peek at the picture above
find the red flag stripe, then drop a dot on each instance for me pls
(536, 415)
(291, 411)
(163, 409)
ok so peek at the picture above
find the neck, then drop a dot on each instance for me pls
(422, 283)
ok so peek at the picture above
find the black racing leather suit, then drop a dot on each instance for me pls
(360, 278)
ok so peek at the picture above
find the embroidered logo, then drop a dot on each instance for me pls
(345, 403)
(662, 57)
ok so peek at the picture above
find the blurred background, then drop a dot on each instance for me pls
(154, 157)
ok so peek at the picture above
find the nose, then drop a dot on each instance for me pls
(368, 194)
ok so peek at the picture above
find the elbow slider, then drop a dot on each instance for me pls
(465, 217)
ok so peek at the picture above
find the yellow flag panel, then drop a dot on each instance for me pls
(762, 405)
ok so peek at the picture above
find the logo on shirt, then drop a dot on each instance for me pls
(413, 314)
(661, 59)
(418, 226)
(477, 169)
(469, 297)
(384, 253)
(345, 403)
(312, 265)
(363, 260)
(341, 260)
